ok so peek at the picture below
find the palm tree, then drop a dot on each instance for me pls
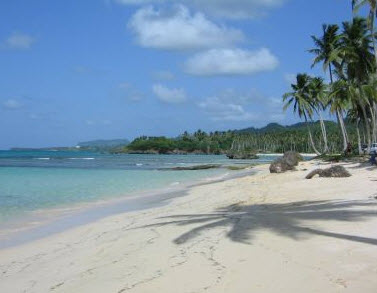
(356, 50)
(326, 48)
(358, 64)
(370, 90)
(327, 51)
(302, 102)
(339, 101)
(318, 93)
(356, 5)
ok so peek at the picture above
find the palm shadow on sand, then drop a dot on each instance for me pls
(294, 220)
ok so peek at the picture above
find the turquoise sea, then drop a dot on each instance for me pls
(33, 181)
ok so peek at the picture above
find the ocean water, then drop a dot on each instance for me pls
(37, 180)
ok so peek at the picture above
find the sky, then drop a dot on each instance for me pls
(73, 71)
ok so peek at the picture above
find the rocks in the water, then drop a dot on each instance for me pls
(286, 163)
(334, 172)
(192, 168)
(242, 155)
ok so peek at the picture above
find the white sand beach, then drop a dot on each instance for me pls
(261, 233)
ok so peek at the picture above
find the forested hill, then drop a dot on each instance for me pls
(103, 144)
(276, 127)
(271, 138)
(278, 138)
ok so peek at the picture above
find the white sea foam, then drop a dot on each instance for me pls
(220, 177)
(139, 164)
(42, 158)
(81, 158)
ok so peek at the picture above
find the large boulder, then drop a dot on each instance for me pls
(293, 158)
(280, 166)
(333, 172)
(285, 163)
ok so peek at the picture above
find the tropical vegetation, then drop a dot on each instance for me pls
(347, 91)
(274, 138)
(348, 55)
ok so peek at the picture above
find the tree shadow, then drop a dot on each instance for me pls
(293, 220)
(362, 165)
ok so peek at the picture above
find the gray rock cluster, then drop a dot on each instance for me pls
(242, 155)
(288, 162)
(333, 172)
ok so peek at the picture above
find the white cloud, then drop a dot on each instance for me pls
(237, 9)
(90, 122)
(135, 96)
(167, 95)
(180, 30)
(125, 85)
(290, 78)
(19, 41)
(163, 75)
(107, 122)
(231, 62)
(126, 89)
(136, 2)
(12, 104)
(252, 106)
(34, 116)
(219, 111)
(231, 9)
(98, 122)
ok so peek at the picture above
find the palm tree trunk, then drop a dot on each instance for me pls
(367, 126)
(374, 121)
(358, 137)
(373, 38)
(365, 115)
(311, 140)
(343, 129)
(374, 118)
(324, 133)
(339, 117)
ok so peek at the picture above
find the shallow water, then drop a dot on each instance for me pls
(37, 180)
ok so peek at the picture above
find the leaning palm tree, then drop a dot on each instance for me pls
(302, 102)
(356, 5)
(339, 102)
(370, 91)
(327, 51)
(318, 94)
(359, 63)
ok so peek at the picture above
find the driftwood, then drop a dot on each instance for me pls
(334, 172)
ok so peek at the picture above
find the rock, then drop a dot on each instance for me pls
(144, 152)
(192, 168)
(242, 155)
(280, 166)
(293, 158)
(286, 163)
(333, 172)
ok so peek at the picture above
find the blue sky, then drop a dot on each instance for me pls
(80, 70)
